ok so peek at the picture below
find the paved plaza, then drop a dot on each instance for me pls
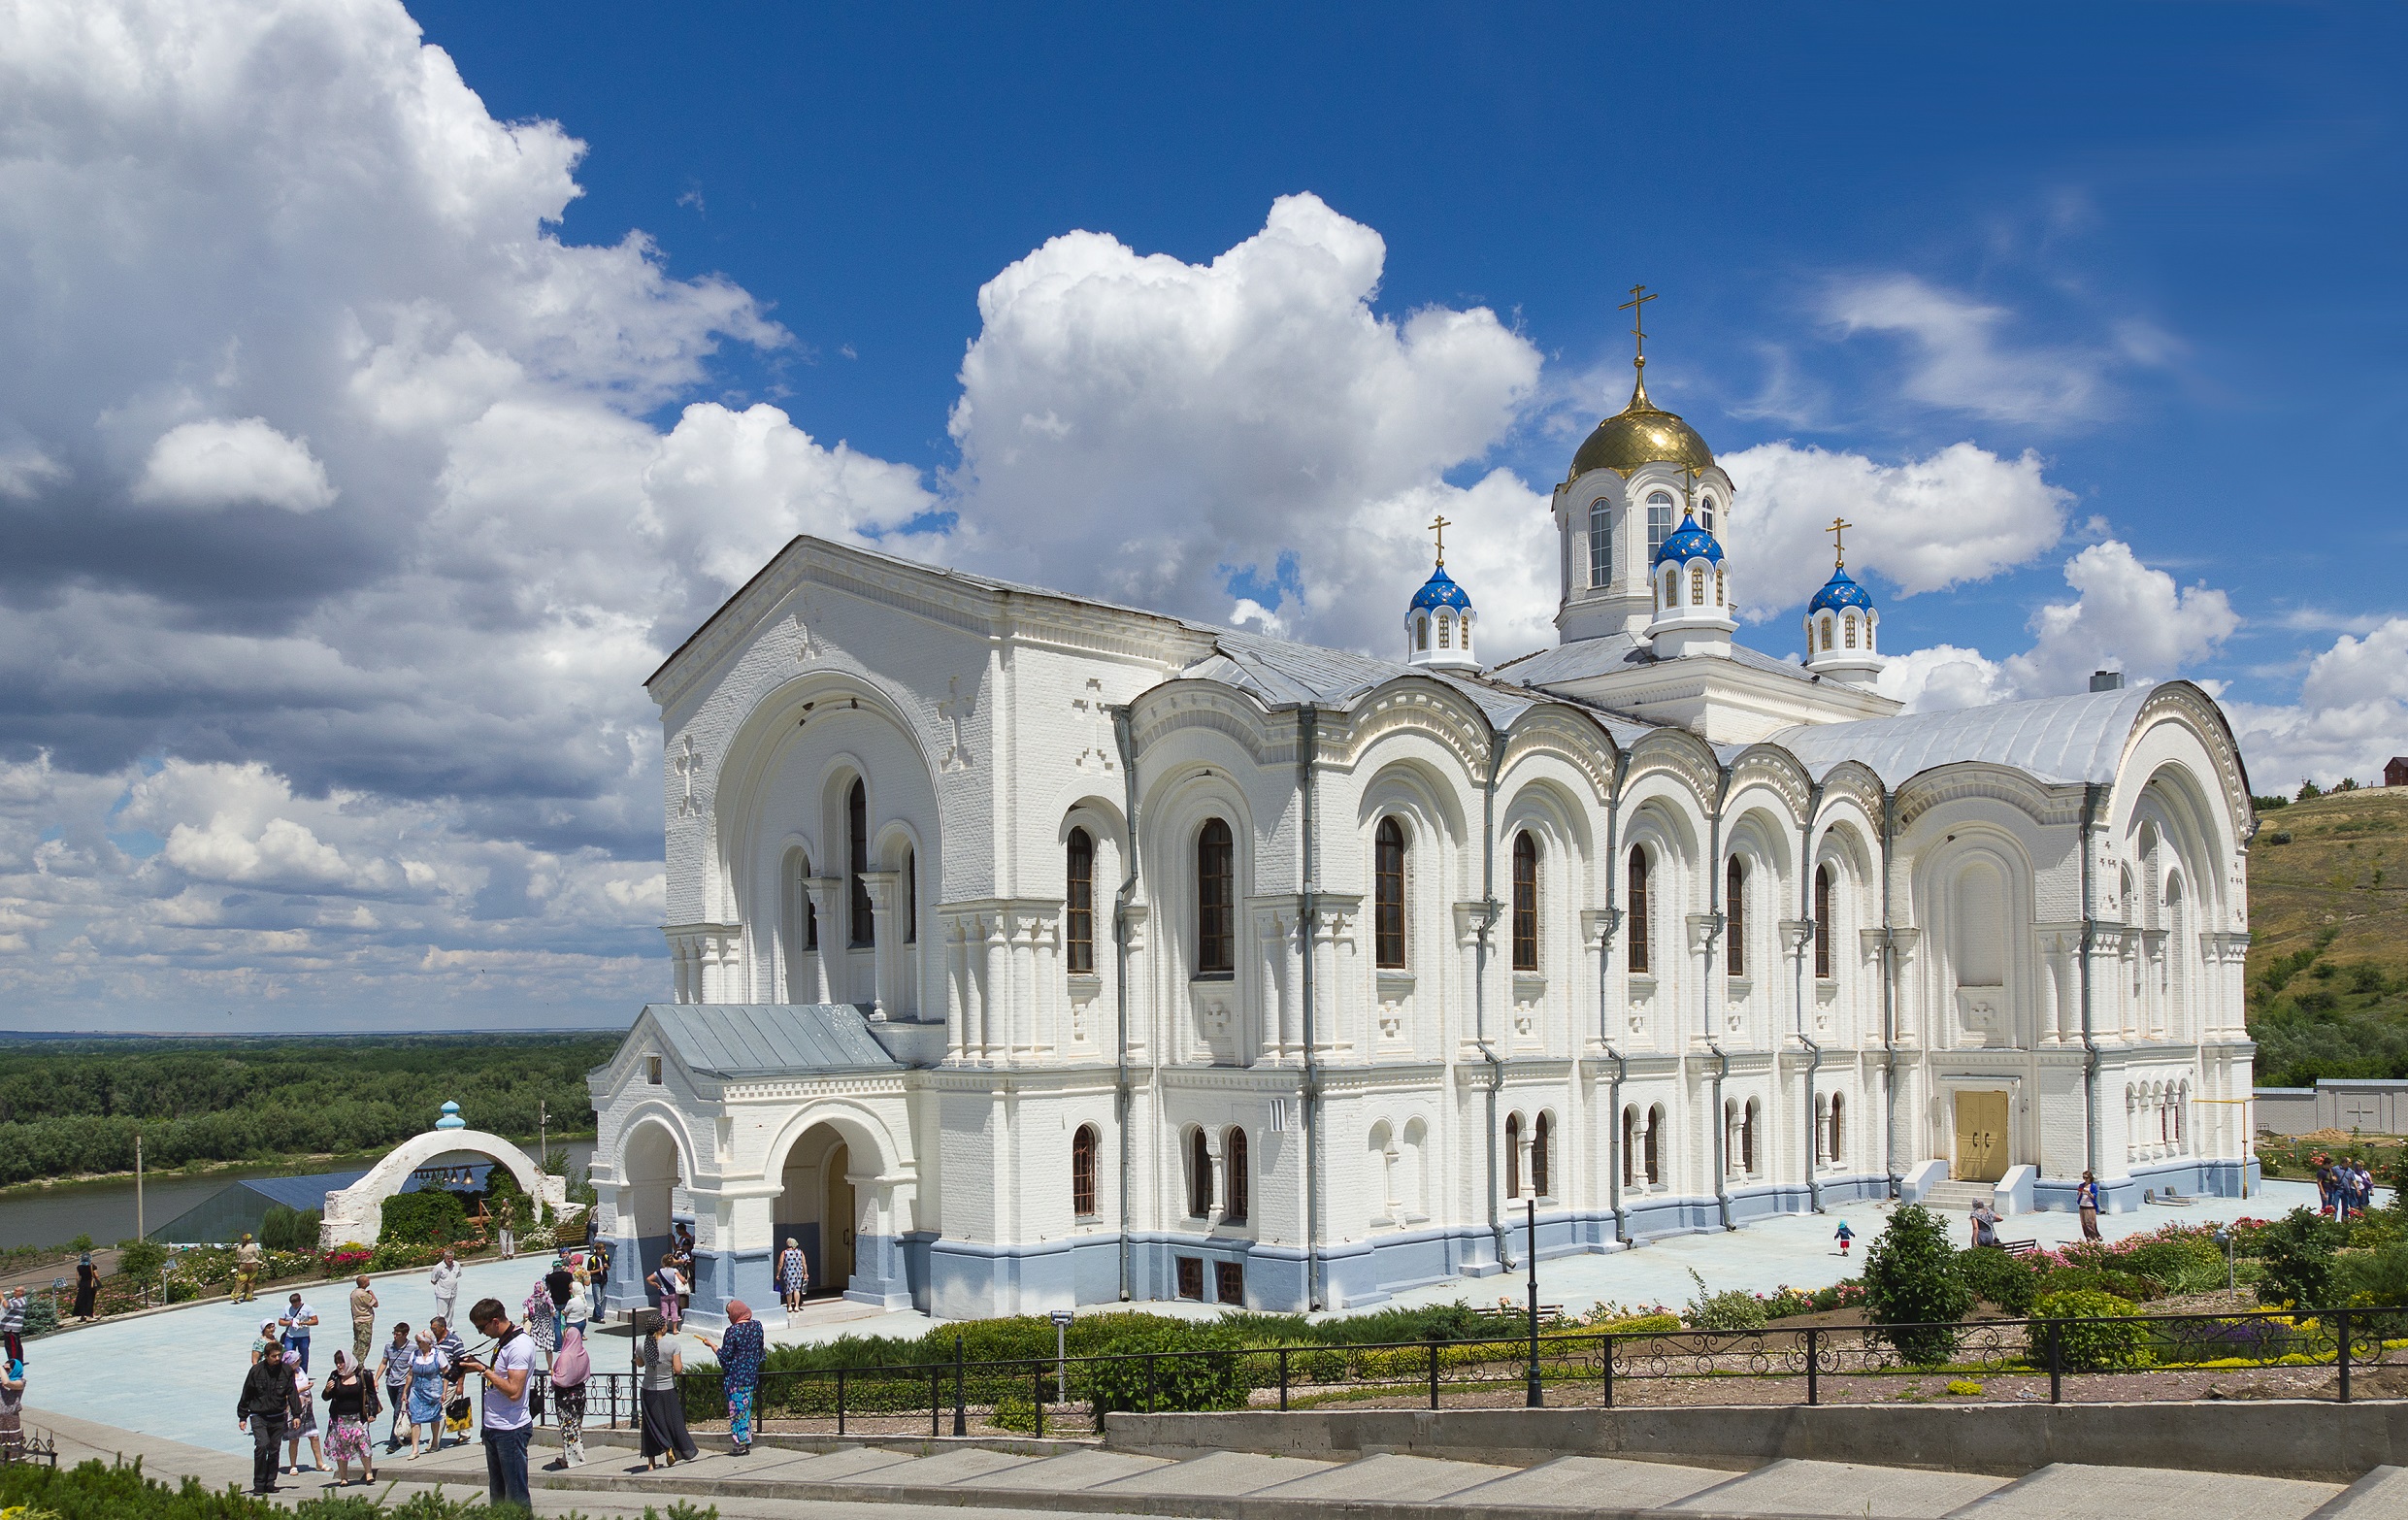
(174, 1374)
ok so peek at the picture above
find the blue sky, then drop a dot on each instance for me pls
(393, 387)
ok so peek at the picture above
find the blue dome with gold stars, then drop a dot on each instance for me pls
(1690, 543)
(1841, 591)
(1440, 590)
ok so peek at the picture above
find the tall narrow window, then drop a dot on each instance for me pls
(1513, 1155)
(1079, 908)
(1630, 1142)
(1216, 929)
(1837, 1103)
(1705, 513)
(1655, 1145)
(810, 910)
(1847, 626)
(1388, 894)
(1747, 1138)
(1083, 1172)
(1823, 922)
(1198, 1175)
(1525, 901)
(1233, 1190)
(1718, 585)
(1658, 523)
(1641, 949)
(1734, 911)
(910, 897)
(1421, 632)
(1446, 631)
(1600, 543)
(1696, 585)
(857, 842)
(1541, 1168)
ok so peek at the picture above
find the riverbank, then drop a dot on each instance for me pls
(298, 1164)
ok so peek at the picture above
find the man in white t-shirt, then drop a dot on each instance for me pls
(507, 1374)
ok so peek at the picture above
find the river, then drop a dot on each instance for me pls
(105, 1211)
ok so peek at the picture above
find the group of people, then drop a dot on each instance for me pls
(2343, 1187)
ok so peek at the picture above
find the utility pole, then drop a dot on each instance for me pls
(542, 1129)
(139, 1232)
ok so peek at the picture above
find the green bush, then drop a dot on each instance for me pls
(2092, 1347)
(2186, 1263)
(1913, 1288)
(97, 1491)
(2298, 1252)
(142, 1260)
(290, 1229)
(433, 1217)
(41, 1315)
(1997, 1277)
(2378, 1279)
(2099, 1279)
(1173, 1366)
(1733, 1308)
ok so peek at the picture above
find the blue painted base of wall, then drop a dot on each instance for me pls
(2193, 1178)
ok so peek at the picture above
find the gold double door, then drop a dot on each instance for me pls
(1981, 1137)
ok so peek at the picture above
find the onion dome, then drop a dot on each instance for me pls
(1841, 591)
(1690, 542)
(1642, 433)
(1440, 590)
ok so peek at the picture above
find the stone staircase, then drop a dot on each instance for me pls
(1956, 1197)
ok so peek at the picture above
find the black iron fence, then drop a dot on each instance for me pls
(2149, 1356)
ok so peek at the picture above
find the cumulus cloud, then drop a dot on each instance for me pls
(1962, 513)
(1188, 435)
(211, 464)
(2351, 716)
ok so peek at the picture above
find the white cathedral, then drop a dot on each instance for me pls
(1033, 951)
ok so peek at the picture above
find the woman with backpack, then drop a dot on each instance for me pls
(571, 1368)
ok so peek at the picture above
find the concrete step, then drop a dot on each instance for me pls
(1389, 1477)
(2069, 1491)
(1956, 1197)
(1841, 1489)
(1589, 1482)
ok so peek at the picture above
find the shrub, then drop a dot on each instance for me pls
(2378, 1279)
(2185, 1261)
(2084, 1342)
(1734, 1309)
(2097, 1279)
(1964, 1388)
(41, 1315)
(1997, 1277)
(433, 1217)
(143, 1261)
(1193, 1366)
(1913, 1287)
(2297, 1253)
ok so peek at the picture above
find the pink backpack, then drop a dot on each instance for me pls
(570, 1366)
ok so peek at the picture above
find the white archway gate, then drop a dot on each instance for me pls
(355, 1214)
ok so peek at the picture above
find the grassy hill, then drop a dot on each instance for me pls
(2328, 953)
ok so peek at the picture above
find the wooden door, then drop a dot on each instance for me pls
(1981, 1137)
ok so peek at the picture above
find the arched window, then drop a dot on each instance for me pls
(1513, 1155)
(864, 925)
(1079, 908)
(1735, 909)
(1731, 1137)
(1600, 543)
(1542, 1163)
(1525, 901)
(1696, 585)
(1823, 922)
(1655, 1145)
(1848, 634)
(1216, 902)
(910, 897)
(810, 910)
(1705, 513)
(1234, 1158)
(1198, 1175)
(1837, 1103)
(1718, 585)
(1641, 948)
(1388, 894)
(1658, 523)
(1747, 1137)
(1827, 632)
(1629, 1144)
(1421, 632)
(1083, 1172)
(1446, 631)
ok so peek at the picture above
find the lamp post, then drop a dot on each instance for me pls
(1535, 1397)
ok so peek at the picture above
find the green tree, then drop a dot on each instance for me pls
(1913, 1287)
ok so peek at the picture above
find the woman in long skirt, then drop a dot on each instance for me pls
(426, 1395)
(570, 1368)
(87, 1287)
(739, 1371)
(300, 1426)
(12, 1412)
(664, 1405)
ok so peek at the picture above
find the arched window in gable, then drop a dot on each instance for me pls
(1079, 908)
(864, 925)
(1083, 1145)
(1735, 910)
(1823, 923)
(1641, 919)
(1388, 894)
(1216, 900)
(1525, 901)
(1600, 543)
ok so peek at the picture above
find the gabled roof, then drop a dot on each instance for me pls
(2062, 740)
(770, 1038)
(1281, 673)
(1618, 651)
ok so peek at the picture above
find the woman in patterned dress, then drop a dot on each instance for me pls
(740, 1357)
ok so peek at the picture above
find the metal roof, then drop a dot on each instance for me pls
(770, 1038)
(1282, 671)
(1585, 657)
(2062, 740)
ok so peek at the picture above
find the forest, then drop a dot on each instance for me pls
(73, 1106)
(2328, 936)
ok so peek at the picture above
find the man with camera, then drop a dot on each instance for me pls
(506, 1372)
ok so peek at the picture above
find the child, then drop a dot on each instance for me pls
(1844, 1234)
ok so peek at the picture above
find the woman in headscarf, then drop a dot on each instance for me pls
(426, 1394)
(87, 1287)
(740, 1370)
(351, 1408)
(570, 1366)
(535, 1315)
(664, 1401)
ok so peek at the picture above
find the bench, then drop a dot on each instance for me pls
(2019, 1247)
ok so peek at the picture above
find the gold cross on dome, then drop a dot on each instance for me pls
(1439, 525)
(1839, 549)
(1636, 306)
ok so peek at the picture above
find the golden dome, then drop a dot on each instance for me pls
(1640, 434)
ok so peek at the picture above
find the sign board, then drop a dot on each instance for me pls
(1062, 1319)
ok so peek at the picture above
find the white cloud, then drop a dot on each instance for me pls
(2351, 716)
(1148, 428)
(1944, 677)
(2126, 616)
(1962, 361)
(23, 468)
(211, 464)
(1959, 515)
